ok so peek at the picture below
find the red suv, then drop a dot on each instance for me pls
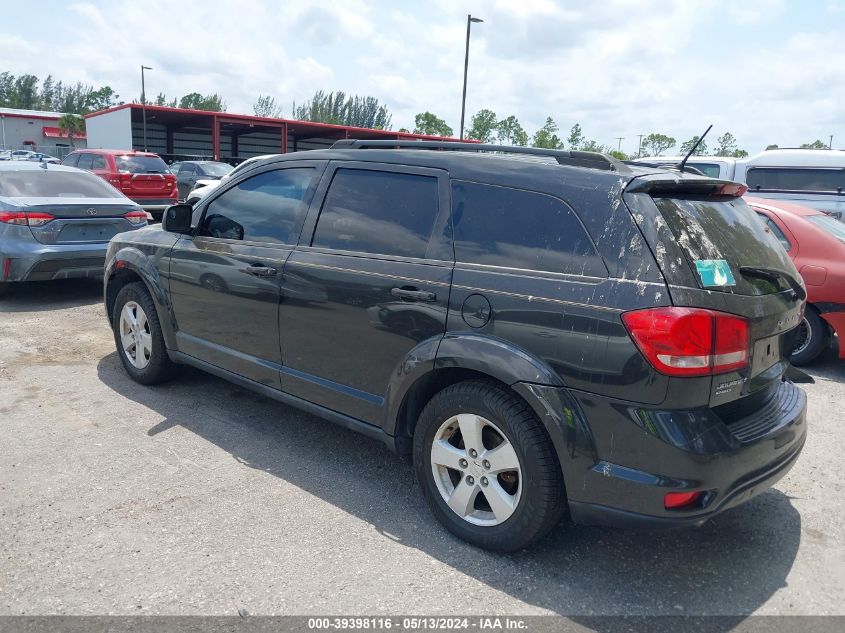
(140, 176)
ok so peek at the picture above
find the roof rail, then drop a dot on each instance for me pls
(592, 160)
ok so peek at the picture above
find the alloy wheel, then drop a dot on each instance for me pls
(135, 336)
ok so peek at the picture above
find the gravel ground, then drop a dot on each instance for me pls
(198, 497)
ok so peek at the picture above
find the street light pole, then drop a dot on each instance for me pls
(470, 20)
(144, 104)
(620, 139)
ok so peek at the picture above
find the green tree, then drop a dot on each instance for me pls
(429, 123)
(73, 125)
(483, 126)
(771, 147)
(576, 137)
(196, 101)
(546, 136)
(655, 144)
(593, 146)
(161, 100)
(814, 145)
(739, 153)
(510, 132)
(266, 106)
(701, 150)
(727, 145)
(619, 155)
(100, 99)
(340, 109)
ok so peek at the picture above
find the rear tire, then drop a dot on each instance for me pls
(138, 336)
(503, 504)
(811, 339)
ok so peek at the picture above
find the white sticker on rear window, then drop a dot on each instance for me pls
(714, 273)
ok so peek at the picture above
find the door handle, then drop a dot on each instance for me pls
(413, 294)
(260, 271)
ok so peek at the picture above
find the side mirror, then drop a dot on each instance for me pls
(177, 218)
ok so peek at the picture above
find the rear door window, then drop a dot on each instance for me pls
(71, 160)
(378, 212)
(98, 162)
(711, 229)
(796, 179)
(499, 226)
(86, 161)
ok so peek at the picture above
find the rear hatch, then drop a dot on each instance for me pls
(68, 206)
(142, 176)
(717, 255)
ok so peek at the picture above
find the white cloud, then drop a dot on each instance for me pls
(618, 67)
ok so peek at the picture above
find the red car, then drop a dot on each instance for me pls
(141, 176)
(816, 243)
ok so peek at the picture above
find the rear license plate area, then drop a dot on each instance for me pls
(766, 352)
(87, 232)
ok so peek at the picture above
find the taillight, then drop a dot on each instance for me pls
(136, 217)
(125, 180)
(679, 500)
(25, 218)
(689, 341)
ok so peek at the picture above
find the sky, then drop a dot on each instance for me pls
(767, 71)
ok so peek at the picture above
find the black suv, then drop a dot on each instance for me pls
(552, 334)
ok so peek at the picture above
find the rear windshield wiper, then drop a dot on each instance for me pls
(773, 274)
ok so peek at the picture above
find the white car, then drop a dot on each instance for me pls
(204, 186)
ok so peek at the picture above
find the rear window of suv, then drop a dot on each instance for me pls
(796, 179)
(726, 229)
(141, 164)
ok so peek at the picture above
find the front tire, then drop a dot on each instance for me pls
(487, 468)
(811, 340)
(138, 336)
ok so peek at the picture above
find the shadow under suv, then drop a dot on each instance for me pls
(550, 335)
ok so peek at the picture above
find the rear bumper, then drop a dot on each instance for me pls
(43, 262)
(623, 459)
(155, 205)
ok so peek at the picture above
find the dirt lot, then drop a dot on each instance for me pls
(198, 497)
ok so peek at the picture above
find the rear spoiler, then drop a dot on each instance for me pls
(671, 184)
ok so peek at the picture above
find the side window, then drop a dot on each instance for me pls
(98, 162)
(86, 161)
(499, 226)
(187, 170)
(378, 212)
(71, 160)
(795, 179)
(775, 229)
(269, 207)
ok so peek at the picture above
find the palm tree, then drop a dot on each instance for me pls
(72, 125)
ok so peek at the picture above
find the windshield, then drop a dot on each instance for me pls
(44, 183)
(829, 225)
(216, 169)
(141, 164)
(720, 235)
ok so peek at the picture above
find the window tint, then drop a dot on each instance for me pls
(378, 212)
(86, 161)
(98, 162)
(708, 169)
(520, 229)
(796, 179)
(827, 223)
(71, 160)
(141, 164)
(188, 170)
(268, 207)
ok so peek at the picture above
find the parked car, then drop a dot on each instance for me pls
(55, 222)
(141, 176)
(811, 177)
(41, 156)
(816, 244)
(204, 187)
(5, 154)
(190, 171)
(20, 154)
(583, 338)
(174, 167)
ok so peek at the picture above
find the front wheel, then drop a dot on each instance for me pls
(811, 338)
(487, 468)
(137, 334)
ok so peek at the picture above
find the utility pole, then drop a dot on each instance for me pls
(470, 20)
(620, 139)
(831, 142)
(144, 105)
(640, 147)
